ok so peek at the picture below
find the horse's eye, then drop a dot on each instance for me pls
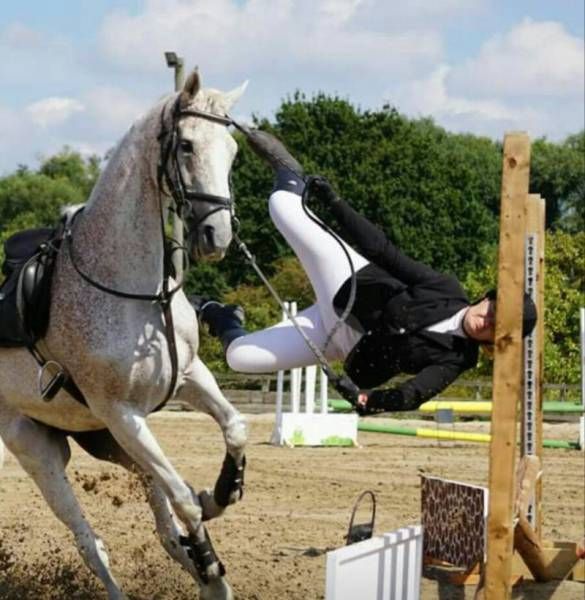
(186, 146)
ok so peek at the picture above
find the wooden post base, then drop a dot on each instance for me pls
(562, 562)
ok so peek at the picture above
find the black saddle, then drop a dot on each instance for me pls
(25, 301)
(25, 295)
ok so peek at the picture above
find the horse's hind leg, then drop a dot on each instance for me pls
(200, 389)
(44, 454)
(103, 446)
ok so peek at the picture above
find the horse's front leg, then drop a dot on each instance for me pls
(129, 428)
(103, 446)
(201, 391)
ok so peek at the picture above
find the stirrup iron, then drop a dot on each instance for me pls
(49, 391)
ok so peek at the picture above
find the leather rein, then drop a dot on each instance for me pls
(168, 175)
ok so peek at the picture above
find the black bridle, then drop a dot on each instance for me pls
(169, 175)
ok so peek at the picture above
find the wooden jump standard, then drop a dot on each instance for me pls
(515, 514)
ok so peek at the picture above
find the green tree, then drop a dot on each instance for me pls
(70, 165)
(433, 192)
(33, 199)
(557, 173)
(564, 295)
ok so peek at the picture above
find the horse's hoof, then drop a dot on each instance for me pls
(218, 589)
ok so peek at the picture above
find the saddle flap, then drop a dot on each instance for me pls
(24, 311)
(19, 247)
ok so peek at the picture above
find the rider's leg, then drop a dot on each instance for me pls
(327, 260)
(281, 347)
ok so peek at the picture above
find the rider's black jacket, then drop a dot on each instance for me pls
(397, 297)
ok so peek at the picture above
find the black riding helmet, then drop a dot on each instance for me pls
(529, 316)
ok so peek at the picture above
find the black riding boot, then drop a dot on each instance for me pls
(225, 321)
(289, 175)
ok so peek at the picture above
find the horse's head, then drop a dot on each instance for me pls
(202, 151)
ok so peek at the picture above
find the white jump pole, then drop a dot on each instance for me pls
(582, 318)
(295, 376)
(323, 381)
(279, 398)
(306, 426)
(310, 383)
(582, 428)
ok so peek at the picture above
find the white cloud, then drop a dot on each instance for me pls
(275, 36)
(536, 58)
(529, 78)
(16, 142)
(87, 94)
(340, 10)
(429, 96)
(396, 16)
(53, 111)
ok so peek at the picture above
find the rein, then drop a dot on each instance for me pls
(182, 196)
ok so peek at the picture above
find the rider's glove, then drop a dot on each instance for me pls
(321, 189)
(377, 401)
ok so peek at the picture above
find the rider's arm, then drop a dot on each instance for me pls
(412, 393)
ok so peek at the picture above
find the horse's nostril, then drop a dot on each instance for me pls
(209, 236)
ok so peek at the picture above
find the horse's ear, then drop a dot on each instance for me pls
(191, 88)
(230, 98)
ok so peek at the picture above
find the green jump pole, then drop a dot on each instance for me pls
(553, 406)
(343, 405)
(449, 435)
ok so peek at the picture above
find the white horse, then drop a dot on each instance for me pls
(118, 350)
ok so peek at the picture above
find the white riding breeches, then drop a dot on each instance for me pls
(281, 347)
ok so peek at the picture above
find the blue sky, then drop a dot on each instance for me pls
(79, 72)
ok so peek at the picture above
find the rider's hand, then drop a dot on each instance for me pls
(321, 189)
(356, 397)
(362, 404)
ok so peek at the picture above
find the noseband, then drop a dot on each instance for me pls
(170, 174)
